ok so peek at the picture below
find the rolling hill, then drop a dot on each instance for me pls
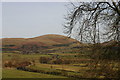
(47, 40)
(44, 42)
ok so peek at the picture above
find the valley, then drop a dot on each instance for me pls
(56, 56)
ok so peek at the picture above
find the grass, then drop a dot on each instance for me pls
(80, 69)
(20, 57)
(81, 65)
(50, 39)
(13, 73)
(77, 56)
(62, 67)
(57, 71)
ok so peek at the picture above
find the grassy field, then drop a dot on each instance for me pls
(62, 67)
(13, 73)
(21, 57)
(80, 69)
(54, 56)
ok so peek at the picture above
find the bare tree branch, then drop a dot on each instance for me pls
(89, 15)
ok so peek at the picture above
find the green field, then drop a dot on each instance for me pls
(83, 67)
(69, 68)
(13, 73)
(21, 57)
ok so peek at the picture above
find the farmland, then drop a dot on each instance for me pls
(53, 58)
(11, 73)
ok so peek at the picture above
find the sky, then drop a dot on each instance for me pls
(31, 19)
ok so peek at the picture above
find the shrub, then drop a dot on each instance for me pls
(58, 61)
(23, 64)
(44, 59)
(8, 64)
(16, 64)
(66, 61)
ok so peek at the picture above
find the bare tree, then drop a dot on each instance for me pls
(87, 21)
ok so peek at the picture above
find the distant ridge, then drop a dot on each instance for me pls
(49, 39)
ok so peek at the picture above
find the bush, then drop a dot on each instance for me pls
(16, 64)
(8, 64)
(104, 69)
(109, 51)
(66, 62)
(44, 59)
(58, 61)
(23, 64)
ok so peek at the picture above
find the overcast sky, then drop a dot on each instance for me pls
(31, 19)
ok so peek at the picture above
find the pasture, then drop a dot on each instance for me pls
(58, 65)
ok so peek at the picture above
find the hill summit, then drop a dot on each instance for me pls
(50, 39)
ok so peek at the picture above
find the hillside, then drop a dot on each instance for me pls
(58, 56)
(111, 43)
(50, 39)
(38, 43)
